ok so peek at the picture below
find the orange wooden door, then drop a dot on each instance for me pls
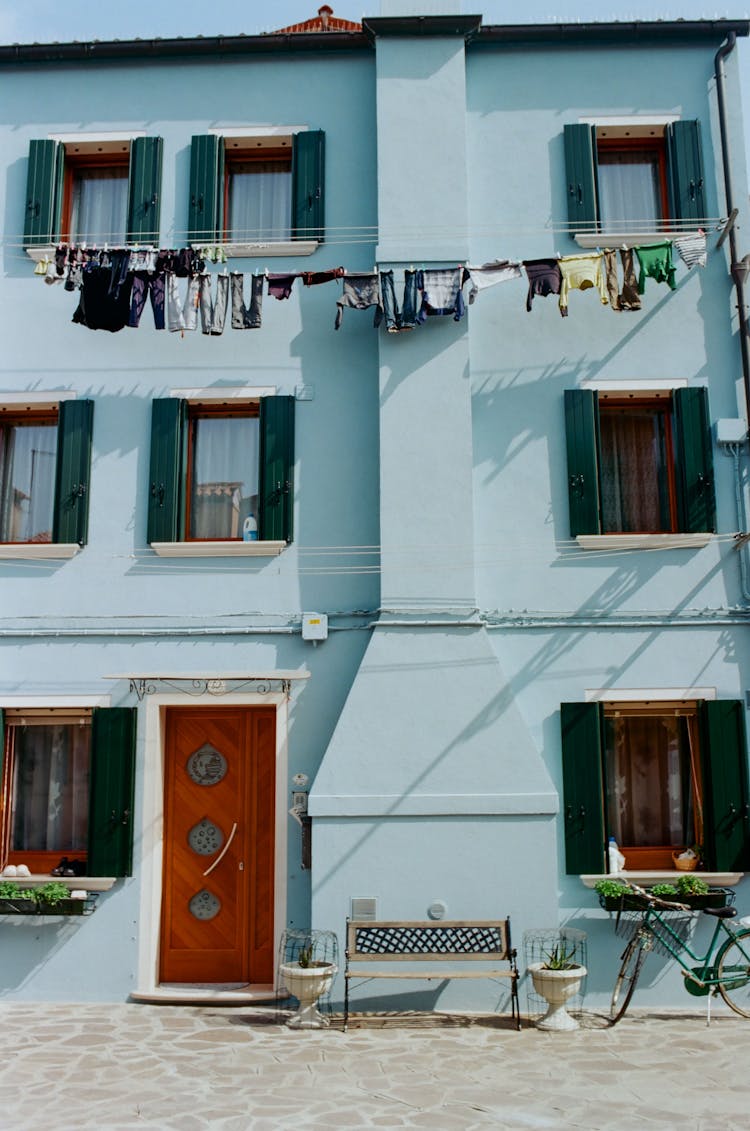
(218, 884)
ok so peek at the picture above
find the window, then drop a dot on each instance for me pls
(248, 190)
(659, 777)
(634, 178)
(220, 473)
(93, 191)
(639, 464)
(45, 464)
(67, 788)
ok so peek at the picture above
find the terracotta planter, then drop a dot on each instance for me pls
(557, 987)
(308, 984)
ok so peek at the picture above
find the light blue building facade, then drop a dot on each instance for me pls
(489, 607)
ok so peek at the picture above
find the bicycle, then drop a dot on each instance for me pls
(724, 967)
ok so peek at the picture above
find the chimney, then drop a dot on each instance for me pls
(324, 13)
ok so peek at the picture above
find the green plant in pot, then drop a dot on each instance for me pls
(307, 978)
(557, 978)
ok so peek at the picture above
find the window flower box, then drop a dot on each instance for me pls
(717, 897)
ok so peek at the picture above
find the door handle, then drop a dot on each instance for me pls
(223, 852)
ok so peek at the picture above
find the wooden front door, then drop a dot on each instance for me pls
(218, 884)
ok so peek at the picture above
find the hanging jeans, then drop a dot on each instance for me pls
(213, 314)
(243, 317)
(182, 315)
(395, 319)
(145, 284)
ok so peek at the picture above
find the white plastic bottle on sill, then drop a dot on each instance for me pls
(615, 859)
(250, 529)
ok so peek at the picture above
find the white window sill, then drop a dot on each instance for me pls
(629, 239)
(218, 549)
(266, 250)
(647, 879)
(37, 550)
(643, 541)
(72, 883)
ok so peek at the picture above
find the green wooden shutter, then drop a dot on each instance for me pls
(725, 787)
(43, 189)
(276, 468)
(695, 471)
(73, 472)
(686, 170)
(581, 432)
(206, 210)
(580, 172)
(144, 188)
(308, 177)
(583, 787)
(166, 506)
(111, 791)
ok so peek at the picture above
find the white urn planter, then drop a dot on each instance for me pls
(308, 984)
(557, 987)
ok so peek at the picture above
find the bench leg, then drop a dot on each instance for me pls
(346, 1000)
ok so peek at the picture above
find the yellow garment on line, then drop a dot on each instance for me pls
(579, 273)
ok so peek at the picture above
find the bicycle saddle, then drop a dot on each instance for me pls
(720, 912)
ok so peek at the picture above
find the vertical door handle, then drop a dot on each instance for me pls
(223, 852)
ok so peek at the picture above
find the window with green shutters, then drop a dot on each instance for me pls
(639, 464)
(94, 192)
(257, 189)
(68, 787)
(659, 777)
(45, 472)
(634, 178)
(221, 472)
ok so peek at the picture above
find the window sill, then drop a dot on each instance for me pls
(218, 549)
(643, 541)
(36, 550)
(648, 879)
(267, 250)
(628, 239)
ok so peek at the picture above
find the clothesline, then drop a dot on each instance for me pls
(115, 283)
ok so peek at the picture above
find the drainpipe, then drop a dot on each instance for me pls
(737, 268)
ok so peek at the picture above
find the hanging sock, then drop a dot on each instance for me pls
(441, 293)
(490, 274)
(243, 317)
(545, 278)
(655, 261)
(692, 249)
(360, 292)
(581, 273)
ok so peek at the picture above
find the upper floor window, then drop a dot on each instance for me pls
(94, 190)
(45, 466)
(252, 188)
(639, 463)
(222, 477)
(634, 179)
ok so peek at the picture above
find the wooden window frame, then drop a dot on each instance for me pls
(33, 418)
(243, 155)
(666, 405)
(655, 145)
(196, 412)
(73, 164)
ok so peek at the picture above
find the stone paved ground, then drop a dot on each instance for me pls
(134, 1066)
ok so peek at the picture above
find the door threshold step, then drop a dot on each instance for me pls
(193, 993)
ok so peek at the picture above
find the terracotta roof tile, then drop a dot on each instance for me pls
(324, 21)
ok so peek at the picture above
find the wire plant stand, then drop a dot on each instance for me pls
(307, 948)
(538, 944)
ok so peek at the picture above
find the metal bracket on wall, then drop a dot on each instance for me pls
(150, 685)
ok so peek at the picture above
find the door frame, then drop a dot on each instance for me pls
(152, 820)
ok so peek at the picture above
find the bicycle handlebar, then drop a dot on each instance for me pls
(654, 900)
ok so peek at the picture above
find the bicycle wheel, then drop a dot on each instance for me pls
(632, 960)
(733, 972)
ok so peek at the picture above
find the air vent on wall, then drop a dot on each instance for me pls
(364, 909)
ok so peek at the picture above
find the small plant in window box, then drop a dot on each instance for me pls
(48, 899)
(689, 889)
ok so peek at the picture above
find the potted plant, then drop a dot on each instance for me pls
(307, 978)
(52, 898)
(688, 889)
(15, 900)
(557, 979)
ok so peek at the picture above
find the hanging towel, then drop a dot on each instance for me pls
(360, 292)
(581, 273)
(655, 261)
(692, 249)
(315, 278)
(441, 293)
(490, 274)
(544, 278)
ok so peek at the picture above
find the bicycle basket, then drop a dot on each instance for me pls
(628, 923)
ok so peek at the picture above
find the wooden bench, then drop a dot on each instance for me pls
(430, 943)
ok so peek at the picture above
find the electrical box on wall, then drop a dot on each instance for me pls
(731, 431)
(314, 626)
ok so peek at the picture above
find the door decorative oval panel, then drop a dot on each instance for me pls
(206, 766)
(205, 905)
(205, 838)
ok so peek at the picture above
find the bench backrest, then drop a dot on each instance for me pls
(448, 940)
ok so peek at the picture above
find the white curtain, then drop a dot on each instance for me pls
(99, 206)
(224, 480)
(633, 473)
(260, 201)
(27, 482)
(51, 787)
(629, 189)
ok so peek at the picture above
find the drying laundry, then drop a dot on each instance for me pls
(692, 249)
(544, 278)
(280, 286)
(582, 273)
(655, 261)
(246, 317)
(151, 286)
(441, 293)
(315, 278)
(360, 292)
(182, 314)
(403, 317)
(213, 312)
(98, 306)
(490, 274)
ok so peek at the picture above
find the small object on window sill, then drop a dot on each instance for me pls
(686, 861)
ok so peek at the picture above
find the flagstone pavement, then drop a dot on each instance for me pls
(126, 1066)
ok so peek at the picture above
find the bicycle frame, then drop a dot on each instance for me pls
(654, 926)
